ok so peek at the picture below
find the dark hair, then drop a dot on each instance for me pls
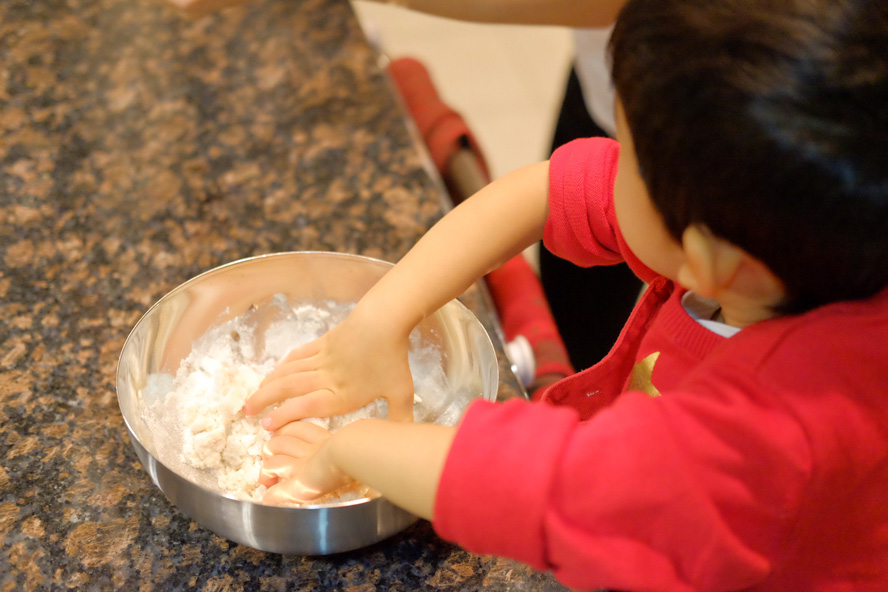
(767, 121)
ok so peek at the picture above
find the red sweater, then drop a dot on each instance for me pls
(684, 461)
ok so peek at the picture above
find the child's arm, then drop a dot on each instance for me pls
(365, 356)
(403, 461)
(568, 13)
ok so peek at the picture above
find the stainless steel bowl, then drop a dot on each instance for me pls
(163, 337)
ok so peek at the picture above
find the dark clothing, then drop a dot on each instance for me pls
(590, 305)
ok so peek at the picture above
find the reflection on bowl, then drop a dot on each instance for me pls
(164, 336)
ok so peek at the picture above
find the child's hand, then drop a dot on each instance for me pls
(352, 365)
(295, 467)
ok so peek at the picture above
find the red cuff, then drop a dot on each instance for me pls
(581, 224)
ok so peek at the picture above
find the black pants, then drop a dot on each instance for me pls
(590, 305)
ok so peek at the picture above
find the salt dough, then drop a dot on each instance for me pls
(195, 418)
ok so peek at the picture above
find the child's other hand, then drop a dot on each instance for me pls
(295, 467)
(352, 365)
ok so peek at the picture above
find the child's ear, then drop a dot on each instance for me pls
(714, 266)
(711, 263)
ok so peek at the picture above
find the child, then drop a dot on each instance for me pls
(736, 438)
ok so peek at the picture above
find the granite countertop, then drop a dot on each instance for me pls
(138, 149)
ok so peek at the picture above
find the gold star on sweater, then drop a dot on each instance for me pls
(640, 378)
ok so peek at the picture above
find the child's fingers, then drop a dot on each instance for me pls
(267, 480)
(284, 387)
(291, 491)
(306, 430)
(321, 403)
(299, 359)
(292, 446)
(286, 367)
(279, 468)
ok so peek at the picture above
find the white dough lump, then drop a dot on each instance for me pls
(195, 417)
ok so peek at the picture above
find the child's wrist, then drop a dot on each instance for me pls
(387, 317)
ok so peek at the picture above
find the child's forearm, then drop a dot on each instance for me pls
(403, 461)
(366, 356)
(569, 13)
(480, 234)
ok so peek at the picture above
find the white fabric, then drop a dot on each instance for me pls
(702, 310)
(593, 71)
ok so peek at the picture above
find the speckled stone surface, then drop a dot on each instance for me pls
(138, 149)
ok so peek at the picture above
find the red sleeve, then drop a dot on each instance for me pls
(582, 225)
(646, 495)
(518, 471)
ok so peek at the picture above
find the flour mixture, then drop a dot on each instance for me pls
(195, 416)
